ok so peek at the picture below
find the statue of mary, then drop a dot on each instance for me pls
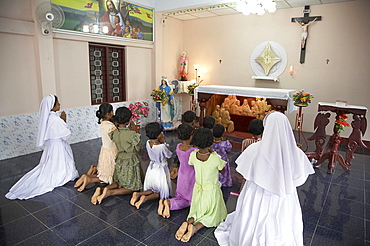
(166, 108)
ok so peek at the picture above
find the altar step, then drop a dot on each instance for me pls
(236, 138)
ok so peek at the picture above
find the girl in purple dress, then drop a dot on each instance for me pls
(186, 174)
(222, 147)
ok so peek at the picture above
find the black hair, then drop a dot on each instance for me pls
(56, 100)
(218, 130)
(256, 127)
(184, 131)
(203, 138)
(122, 115)
(209, 122)
(189, 116)
(104, 109)
(153, 129)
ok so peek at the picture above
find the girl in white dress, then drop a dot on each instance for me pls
(157, 182)
(104, 171)
(268, 210)
(57, 166)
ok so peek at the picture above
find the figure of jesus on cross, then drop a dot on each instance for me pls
(304, 30)
(304, 22)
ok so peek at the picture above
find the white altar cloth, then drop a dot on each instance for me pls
(344, 107)
(268, 93)
(183, 86)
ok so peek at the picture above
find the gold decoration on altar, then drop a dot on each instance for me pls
(267, 59)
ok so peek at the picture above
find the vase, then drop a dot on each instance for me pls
(301, 104)
(137, 128)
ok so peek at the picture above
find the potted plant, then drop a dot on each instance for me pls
(183, 75)
(138, 109)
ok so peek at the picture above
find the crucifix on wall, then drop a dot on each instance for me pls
(304, 22)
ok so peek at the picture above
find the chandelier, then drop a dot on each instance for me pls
(258, 7)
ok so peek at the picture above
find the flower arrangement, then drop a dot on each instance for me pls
(158, 95)
(183, 74)
(191, 88)
(302, 97)
(139, 109)
(341, 123)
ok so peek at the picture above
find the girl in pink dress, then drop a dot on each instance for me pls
(106, 163)
(186, 174)
(222, 147)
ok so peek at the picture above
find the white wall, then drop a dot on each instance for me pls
(340, 37)
(139, 79)
(18, 75)
(72, 77)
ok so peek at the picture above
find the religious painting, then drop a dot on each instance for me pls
(108, 17)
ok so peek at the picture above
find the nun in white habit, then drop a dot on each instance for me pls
(268, 210)
(57, 165)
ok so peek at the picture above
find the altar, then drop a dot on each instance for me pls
(280, 99)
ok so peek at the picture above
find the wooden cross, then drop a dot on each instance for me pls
(304, 22)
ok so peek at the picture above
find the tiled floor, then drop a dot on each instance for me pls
(336, 208)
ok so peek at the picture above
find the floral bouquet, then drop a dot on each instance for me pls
(191, 88)
(301, 98)
(139, 109)
(341, 123)
(183, 75)
(158, 95)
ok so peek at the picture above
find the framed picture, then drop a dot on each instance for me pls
(108, 17)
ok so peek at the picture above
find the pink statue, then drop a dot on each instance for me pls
(183, 71)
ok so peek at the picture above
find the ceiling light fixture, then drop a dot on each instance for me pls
(258, 7)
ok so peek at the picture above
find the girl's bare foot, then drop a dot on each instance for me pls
(138, 203)
(166, 210)
(189, 234)
(160, 207)
(86, 180)
(181, 231)
(134, 198)
(94, 198)
(103, 195)
(80, 181)
(92, 170)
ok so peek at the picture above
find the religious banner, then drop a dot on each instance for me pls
(109, 17)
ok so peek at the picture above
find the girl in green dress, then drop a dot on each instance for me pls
(128, 173)
(207, 208)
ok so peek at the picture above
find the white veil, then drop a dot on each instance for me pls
(279, 166)
(46, 105)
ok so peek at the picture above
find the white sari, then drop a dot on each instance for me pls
(57, 166)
